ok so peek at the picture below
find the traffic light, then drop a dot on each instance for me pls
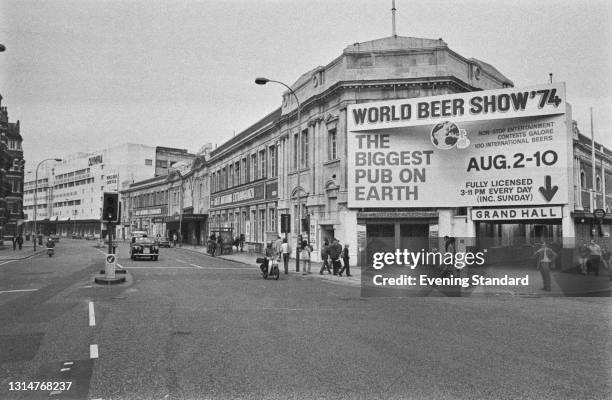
(110, 207)
(285, 223)
(306, 224)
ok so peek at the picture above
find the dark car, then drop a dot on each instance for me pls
(144, 247)
(75, 236)
(163, 242)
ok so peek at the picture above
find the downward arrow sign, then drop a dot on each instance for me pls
(548, 191)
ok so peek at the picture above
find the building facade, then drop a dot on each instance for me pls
(171, 204)
(299, 167)
(74, 187)
(11, 176)
(244, 181)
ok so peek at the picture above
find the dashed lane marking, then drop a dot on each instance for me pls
(197, 266)
(92, 315)
(93, 351)
(17, 291)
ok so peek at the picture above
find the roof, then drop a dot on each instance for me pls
(13, 131)
(273, 116)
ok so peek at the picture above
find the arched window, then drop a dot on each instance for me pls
(598, 183)
(582, 180)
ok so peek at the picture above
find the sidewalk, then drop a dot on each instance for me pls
(249, 259)
(27, 250)
(563, 284)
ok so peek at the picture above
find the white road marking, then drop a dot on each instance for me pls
(18, 290)
(197, 266)
(120, 266)
(53, 393)
(64, 369)
(7, 261)
(69, 363)
(93, 351)
(92, 315)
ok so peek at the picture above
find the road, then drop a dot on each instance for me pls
(194, 327)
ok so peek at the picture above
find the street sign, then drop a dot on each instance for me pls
(599, 213)
(109, 267)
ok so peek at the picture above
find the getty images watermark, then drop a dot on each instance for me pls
(451, 264)
(407, 273)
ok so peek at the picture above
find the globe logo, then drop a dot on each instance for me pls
(446, 135)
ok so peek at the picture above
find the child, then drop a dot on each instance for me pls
(345, 259)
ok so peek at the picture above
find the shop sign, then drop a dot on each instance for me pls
(95, 160)
(599, 213)
(252, 193)
(494, 214)
(397, 214)
(504, 147)
(314, 233)
(149, 211)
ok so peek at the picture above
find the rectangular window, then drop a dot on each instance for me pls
(273, 164)
(148, 162)
(231, 175)
(262, 225)
(237, 172)
(262, 163)
(253, 167)
(243, 171)
(295, 151)
(332, 145)
(272, 220)
(304, 158)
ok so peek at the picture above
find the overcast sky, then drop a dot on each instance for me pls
(87, 74)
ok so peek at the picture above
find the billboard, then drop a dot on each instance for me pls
(504, 147)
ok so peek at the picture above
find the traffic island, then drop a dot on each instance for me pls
(102, 279)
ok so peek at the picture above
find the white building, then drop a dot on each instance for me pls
(70, 192)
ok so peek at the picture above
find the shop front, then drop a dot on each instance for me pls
(511, 235)
(250, 211)
(386, 231)
(461, 165)
(193, 228)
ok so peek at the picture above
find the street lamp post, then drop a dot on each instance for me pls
(180, 232)
(36, 195)
(263, 81)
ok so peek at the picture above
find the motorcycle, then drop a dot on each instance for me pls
(268, 267)
(50, 251)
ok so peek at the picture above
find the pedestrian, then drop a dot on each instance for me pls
(305, 256)
(220, 244)
(174, 239)
(20, 241)
(335, 251)
(545, 257)
(345, 259)
(242, 239)
(277, 244)
(14, 242)
(583, 257)
(594, 256)
(286, 252)
(325, 257)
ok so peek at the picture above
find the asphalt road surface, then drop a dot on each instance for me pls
(194, 327)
